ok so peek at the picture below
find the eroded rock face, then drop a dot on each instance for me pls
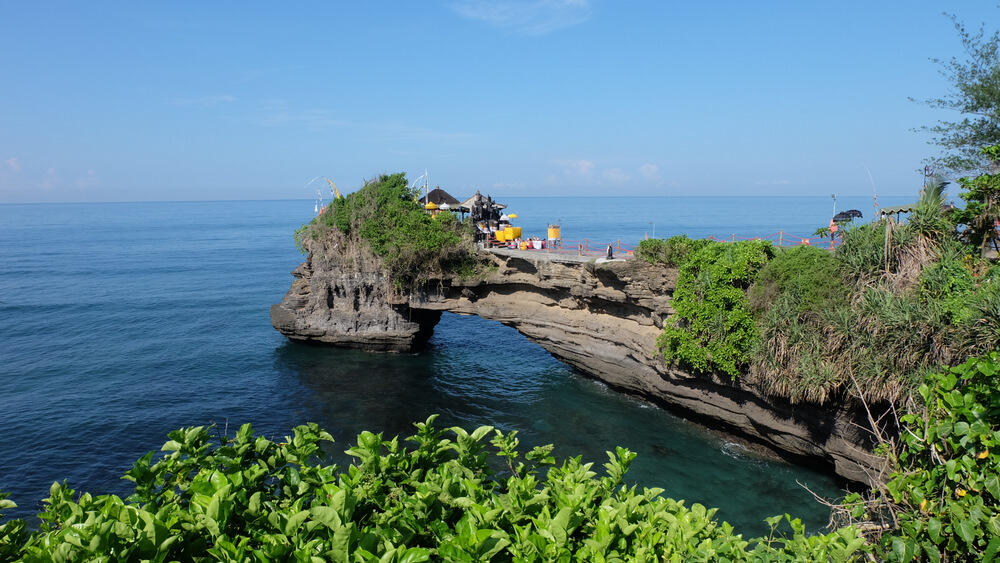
(340, 296)
(603, 319)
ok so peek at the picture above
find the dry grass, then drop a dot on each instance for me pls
(884, 334)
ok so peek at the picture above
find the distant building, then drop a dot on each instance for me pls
(438, 197)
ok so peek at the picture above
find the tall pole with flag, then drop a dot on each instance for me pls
(874, 195)
(833, 224)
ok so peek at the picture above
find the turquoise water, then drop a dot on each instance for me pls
(120, 322)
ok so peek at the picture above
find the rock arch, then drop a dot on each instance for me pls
(602, 319)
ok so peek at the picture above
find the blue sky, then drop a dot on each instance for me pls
(237, 100)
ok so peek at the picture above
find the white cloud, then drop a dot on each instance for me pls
(578, 169)
(583, 172)
(204, 101)
(616, 176)
(650, 172)
(50, 180)
(13, 163)
(530, 17)
(88, 180)
(278, 113)
(314, 118)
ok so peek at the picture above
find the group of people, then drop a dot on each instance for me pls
(530, 243)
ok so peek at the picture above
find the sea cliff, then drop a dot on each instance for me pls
(601, 318)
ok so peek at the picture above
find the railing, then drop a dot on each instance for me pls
(586, 247)
(589, 247)
(783, 239)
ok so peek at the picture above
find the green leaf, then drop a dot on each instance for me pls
(327, 515)
(213, 508)
(244, 433)
(903, 549)
(253, 505)
(934, 529)
(171, 446)
(991, 549)
(294, 521)
(340, 546)
(992, 486)
(415, 555)
(948, 382)
(966, 529)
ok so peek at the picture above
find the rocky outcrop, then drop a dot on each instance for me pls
(601, 318)
(340, 296)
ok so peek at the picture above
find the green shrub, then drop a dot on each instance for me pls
(713, 329)
(862, 252)
(808, 276)
(981, 326)
(671, 252)
(386, 214)
(12, 534)
(950, 283)
(946, 489)
(981, 211)
(300, 238)
(250, 499)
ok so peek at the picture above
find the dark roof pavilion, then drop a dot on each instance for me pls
(437, 196)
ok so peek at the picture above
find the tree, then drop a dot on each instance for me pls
(928, 219)
(981, 214)
(976, 96)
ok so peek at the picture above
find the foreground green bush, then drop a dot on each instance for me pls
(941, 501)
(949, 477)
(440, 499)
(451, 495)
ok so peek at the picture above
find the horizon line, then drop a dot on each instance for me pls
(756, 196)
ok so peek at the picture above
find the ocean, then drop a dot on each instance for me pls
(122, 321)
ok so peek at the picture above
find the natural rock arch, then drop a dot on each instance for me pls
(602, 319)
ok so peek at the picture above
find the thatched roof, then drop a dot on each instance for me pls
(467, 204)
(438, 196)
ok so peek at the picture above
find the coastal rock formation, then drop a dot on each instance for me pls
(601, 318)
(340, 296)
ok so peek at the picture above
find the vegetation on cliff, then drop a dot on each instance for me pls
(453, 495)
(386, 216)
(893, 303)
(713, 329)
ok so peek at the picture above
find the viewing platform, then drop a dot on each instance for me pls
(568, 256)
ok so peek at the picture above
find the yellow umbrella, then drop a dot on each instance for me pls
(512, 216)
